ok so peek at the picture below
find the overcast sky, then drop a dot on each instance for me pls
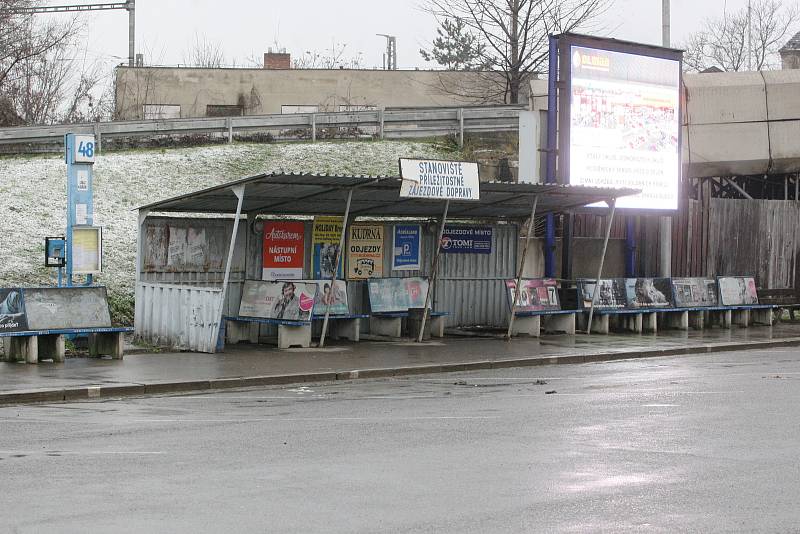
(165, 28)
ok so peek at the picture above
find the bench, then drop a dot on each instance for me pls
(343, 326)
(390, 324)
(392, 300)
(531, 323)
(538, 306)
(35, 323)
(290, 333)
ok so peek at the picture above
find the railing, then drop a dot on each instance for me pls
(389, 124)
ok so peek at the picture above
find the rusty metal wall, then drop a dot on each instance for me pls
(182, 317)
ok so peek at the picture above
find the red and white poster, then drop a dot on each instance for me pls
(284, 246)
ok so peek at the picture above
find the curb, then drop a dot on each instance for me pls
(163, 388)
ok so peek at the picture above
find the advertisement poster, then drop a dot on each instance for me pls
(365, 251)
(610, 295)
(406, 247)
(694, 292)
(176, 249)
(625, 125)
(283, 250)
(388, 295)
(436, 179)
(336, 297)
(648, 292)
(12, 311)
(467, 240)
(737, 290)
(290, 300)
(536, 295)
(326, 233)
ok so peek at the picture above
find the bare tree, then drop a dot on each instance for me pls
(330, 58)
(511, 36)
(747, 39)
(204, 53)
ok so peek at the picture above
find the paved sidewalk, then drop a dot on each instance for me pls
(248, 365)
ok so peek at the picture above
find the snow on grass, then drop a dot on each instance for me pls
(33, 193)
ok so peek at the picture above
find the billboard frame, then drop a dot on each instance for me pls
(565, 43)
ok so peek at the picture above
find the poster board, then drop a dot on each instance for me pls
(337, 298)
(648, 292)
(288, 300)
(439, 179)
(283, 250)
(12, 310)
(737, 290)
(611, 295)
(66, 307)
(467, 240)
(365, 251)
(388, 295)
(694, 292)
(406, 246)
(537, 294)
(87, 250)
(325, 237)
(620, 123)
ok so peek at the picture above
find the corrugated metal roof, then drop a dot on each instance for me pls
(377, 196)
(792, 44)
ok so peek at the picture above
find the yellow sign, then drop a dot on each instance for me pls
(325, 236)
(87, 246)
(365, 252)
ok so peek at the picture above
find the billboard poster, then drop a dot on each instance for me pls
(388, 295)
(12, 310)
(87, 250)
(536, 295)
(438, 179)
(737, 290)
(694, 292)
(611, 294)
(283, 250)
(325, 236)
(289, 300)
(365, 251)
(624, 121)
(406, 247)
(467, 240)
(648, 292)
(336, 297)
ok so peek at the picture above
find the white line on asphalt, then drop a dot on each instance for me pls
(99, 453)
(300, 419)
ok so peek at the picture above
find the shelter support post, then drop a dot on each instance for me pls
(239, 192)
(600, 267)
(336, 267)
(521, 270)
(434, 269)
(143, 213)
(630, 246)
(552, 133)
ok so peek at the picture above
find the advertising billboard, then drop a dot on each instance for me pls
(282, 251)
(621, 119)
(365, 251)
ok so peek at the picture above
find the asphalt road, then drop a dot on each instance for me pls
(692, 444)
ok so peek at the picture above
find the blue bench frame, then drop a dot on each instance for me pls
(35, 345)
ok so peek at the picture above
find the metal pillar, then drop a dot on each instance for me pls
(665, 223)
(239, 192)
(131, 32)
(434, 269)
(600, 267)
(522, 267)
(630, 246)
(552, 147)
(336, 268)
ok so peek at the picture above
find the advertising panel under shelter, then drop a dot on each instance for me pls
(12, 310)
(536, 295)
(611, 293)
(283, 250)
(694, 292)
(335, 297)
(737, 290)
(365, 251)
(326, 233)
(289, 300)
(648, 292)
(387, 295)
(439, 180)
(406, 247)
(467, 240)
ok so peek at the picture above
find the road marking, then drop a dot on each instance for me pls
(301, 419)
(98, 453)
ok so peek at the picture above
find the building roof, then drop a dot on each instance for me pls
(792, 44)
(378, 196)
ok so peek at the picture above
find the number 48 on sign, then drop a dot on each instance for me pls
(84, 149)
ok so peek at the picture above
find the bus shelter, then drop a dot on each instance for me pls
(196, 251)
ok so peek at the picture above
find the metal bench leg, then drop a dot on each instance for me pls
(52, 347)
(294, 336)
(106, 344)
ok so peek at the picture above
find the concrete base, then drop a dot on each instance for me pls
(237, 331)
(600, 323)
(559, 323)
(107, 344)
(527, 326)
(24, 348)
(436, 325)
(765, 317)
(697, 320)
(629, 323)
(650, 323)
(52, 347)
(740, 318)
(294, 336)
(719, 317)
(349, 329)
(386, 326)
(676, 320)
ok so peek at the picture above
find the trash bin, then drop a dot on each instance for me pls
(415, 321)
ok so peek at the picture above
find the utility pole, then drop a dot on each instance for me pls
(390, 58)
(665, 223)
(749, 35)
(131, 32)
